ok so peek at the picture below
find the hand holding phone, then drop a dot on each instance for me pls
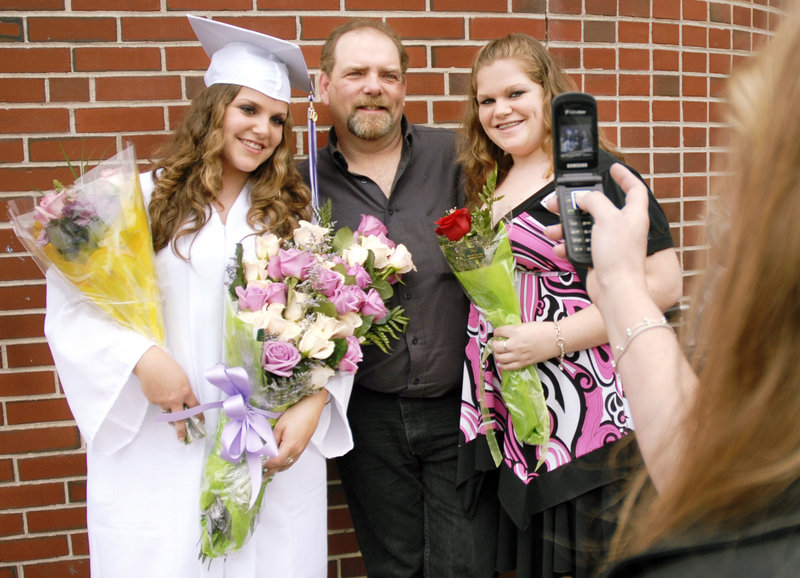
(575, 164)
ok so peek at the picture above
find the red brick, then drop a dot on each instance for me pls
(69, 89)
(695, 163)
(565, 30)
(694, 86)
(77, 150)
(353, 566)
(607, 110)
(666, 136)
(600, 58)
(63, 465)
(634, 59)
(136, 119)
(423, 83)
(719, 64)
(185, 58)
(601, 84)
(21, 326)
(117, 58)
(694, 36)
(634, 32)
(743, 16)
(666, 85)
(635, 137)
(6, 470)
(81, 29)
(453, 56)
(667, 10)
(666, 110)
(634, 111)
(742, 40)
(312, 5)
(695, 10)
(490, 28)
(12, 524)
(22, 297)
(318, 27)
(147, 144)
(32, 120)
(130, 5)
(32, 495)
(694, 61)
(529, 6)
(157, 27)
(601, 7)
(639, 161)
(55, 519)
(37, 411)
(27, 383)
(695, 111)
(80, 544)
(634, 85)
(28, 355)
(40, 60)
(448, 111)
(719, 12)
(666, 33)
(667, 187)
(638, 8)
(568, 57)
(600, 31)
(133, 88)
(417, 111)
(343, 543)
(455, 5)
(71, 568)
(32, 5)
(667, 162)
(666, 60)
(21, 549)
(28, 90)
(694, 136)
(210, 4)
(426, 28)
(18, 269)
(11, 150)
(720, 39)
(565, 6)
(48, 438)
(76, 491)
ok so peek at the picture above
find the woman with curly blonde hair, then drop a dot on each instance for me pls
(556, 518)
(227, 174)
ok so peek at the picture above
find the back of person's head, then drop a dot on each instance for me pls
(328, 57)
(742, 459)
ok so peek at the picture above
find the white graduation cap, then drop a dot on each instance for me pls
(247, 58)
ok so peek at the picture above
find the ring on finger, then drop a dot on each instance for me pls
(290, 461)
(505, 346)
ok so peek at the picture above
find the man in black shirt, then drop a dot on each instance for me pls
(404, 411)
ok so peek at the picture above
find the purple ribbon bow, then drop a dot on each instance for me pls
(248, 432)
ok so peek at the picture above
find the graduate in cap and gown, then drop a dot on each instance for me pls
(228, 172)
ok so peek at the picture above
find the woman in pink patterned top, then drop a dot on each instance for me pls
(556, 520)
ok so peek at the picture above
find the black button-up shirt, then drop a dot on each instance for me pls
(428, 360)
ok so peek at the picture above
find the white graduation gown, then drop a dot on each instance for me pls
(143, 486)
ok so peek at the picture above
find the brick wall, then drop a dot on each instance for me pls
(77, 75)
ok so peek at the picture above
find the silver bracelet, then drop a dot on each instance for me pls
(560, 343)
(634, 332)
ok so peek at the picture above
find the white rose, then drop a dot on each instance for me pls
(290, 332)
(380, 249)
(317, 341)
(355, 255)
(254, 270)
(400, 260)
(308, 234)
(257, 319)
(319, 376)
(267, 245)
(296, 306)
(348, 323)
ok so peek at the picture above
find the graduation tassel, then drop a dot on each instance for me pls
(312, 155)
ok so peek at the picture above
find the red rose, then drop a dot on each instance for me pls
(455, 225)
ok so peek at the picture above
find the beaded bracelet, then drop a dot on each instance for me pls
(634, 332)
(560, 343)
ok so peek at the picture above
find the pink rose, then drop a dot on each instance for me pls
(280, 357)
(352, 357)
(254, 297)
(359, 274)
(50, 207)
(326, 281)
(374, 306)
(348, 298)
(370, 225)
(290, 263)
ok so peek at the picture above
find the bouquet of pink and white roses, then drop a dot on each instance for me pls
(300, 310)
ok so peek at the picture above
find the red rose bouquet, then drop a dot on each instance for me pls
(480, 256)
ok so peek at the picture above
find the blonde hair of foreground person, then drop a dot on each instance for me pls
(741, 440)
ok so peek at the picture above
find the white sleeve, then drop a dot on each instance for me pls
(333, 437)
(95, 358)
